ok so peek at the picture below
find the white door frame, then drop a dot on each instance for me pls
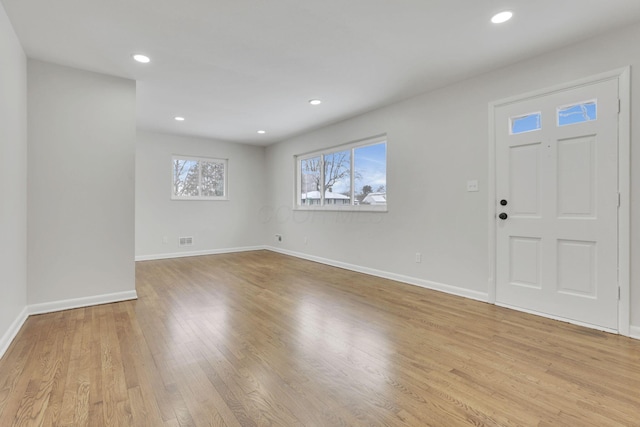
(623, 75)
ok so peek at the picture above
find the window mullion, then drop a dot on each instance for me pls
(353, 177)
(300, 183)
(199, 178)
(322, 178)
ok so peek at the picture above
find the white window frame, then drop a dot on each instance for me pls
(352, 146)
(225, 162)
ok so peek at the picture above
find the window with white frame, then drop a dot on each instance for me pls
(198, 178)
(347, 177)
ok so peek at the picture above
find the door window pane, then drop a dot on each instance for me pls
(526, 123)
(577, 113)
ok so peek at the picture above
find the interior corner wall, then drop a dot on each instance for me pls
(13, 182)
(81, 148)
(436, 143)
(216, 226)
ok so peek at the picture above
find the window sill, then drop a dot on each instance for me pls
(360, 208)
(200, 199)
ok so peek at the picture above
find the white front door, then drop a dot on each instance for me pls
(557, 204)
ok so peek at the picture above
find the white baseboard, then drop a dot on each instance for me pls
(50, 307)
(13, 330)
(198, 253)
(480, 296)
(68, 304)
(454, 290)
(449, 289)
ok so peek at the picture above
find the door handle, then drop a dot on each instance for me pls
(503, 216)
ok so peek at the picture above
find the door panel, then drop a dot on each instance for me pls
(576, 268)
(525, 254)
(557, 246)
(525, 180)
(576, 177)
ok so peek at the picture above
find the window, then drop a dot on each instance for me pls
(526, 123)
(348, 177)
(566, 115)
(577, 113)
(198, 178)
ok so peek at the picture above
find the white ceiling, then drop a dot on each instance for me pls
(232, 67)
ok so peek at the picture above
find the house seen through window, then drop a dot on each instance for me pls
(347, 177)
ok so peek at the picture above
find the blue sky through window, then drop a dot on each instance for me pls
(370, 166)
(527, 123)
(578, 113)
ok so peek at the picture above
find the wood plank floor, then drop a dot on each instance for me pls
(262, 339)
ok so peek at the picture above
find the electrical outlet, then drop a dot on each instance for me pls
(418, 257)
(306, 240)
(472, 185)
(278, 237)
(165, 240)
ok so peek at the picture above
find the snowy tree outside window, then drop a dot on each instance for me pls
(198, 178)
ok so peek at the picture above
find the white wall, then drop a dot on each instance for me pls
(216, 226)
(82, 134)
(437, 142)
(13, 182)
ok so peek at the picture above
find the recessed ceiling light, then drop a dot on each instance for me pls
(144, 59)
(315, 102)
(262, 131)
(501, 17)
(179, 119)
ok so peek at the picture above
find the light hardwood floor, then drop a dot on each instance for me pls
(258, 338)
